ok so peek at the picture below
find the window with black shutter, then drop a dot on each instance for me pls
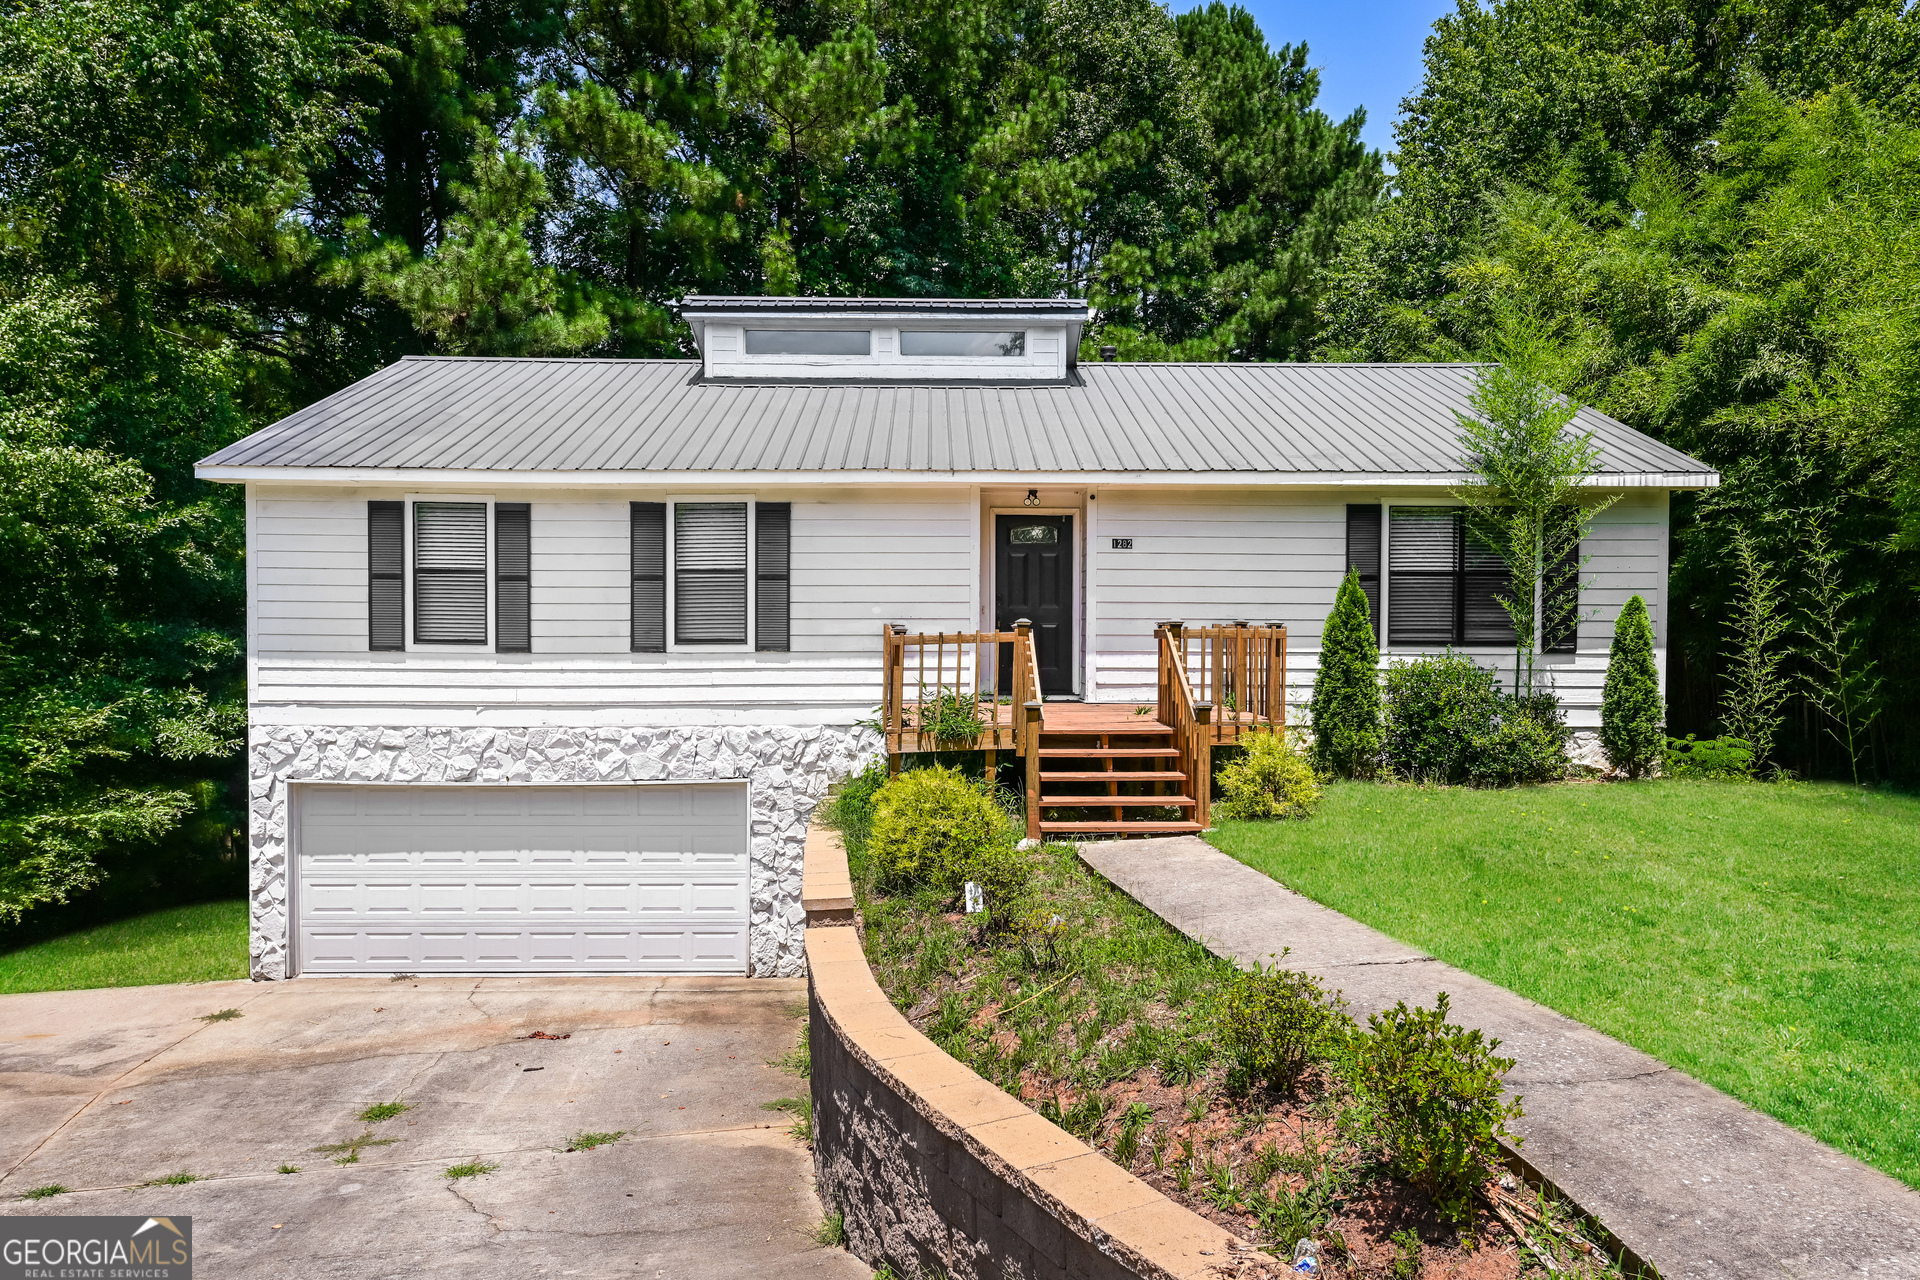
(450, 573)
(386, 575)
(772, 576)
(710, 573)
(1560, 613)
(1444, 584)
(1363, 554)
(512, 591)
(648, 535)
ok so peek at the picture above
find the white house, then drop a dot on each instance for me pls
(550, 659)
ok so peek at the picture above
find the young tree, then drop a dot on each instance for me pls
(1345, 708)
(1756, 686)
(1632, 719)
(1842, 681)
(1526, 501)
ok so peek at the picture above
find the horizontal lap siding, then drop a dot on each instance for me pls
(1209, 558)
(859, 561)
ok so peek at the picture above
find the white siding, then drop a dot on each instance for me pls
(1210, 557)
(861, 559)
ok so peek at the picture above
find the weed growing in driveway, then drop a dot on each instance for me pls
(471, 1169)
(799, 1062)
(801, 1109)
(403, 977)
(832, 1231)
(288, 1168)
(348, 1152)
(41, 1193)
(588, 1141)
(383, 1111)
(172, 1180)
(224, 1015)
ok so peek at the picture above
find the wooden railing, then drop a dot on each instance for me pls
(962, 671)
(1188, 717)
(1240, 669)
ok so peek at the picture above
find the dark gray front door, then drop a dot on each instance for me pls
(1033, 579)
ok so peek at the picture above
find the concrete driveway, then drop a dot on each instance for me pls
(104, 1090)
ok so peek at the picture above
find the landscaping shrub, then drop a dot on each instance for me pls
(1527, 743)
(1274, 1023)
(1631, 714)
(1345, 707)
(850, 812)
(1428, 1095)
(1436, 709)
(1690, 757)
(933, 828)
(1269, 779)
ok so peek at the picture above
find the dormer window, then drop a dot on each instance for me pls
(809, 342)
(947, 342)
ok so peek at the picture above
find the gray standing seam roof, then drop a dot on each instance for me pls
(481, 414)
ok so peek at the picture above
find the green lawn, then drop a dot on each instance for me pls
(201, 943)
(1765, 939)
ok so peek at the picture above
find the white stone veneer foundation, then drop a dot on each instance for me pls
(787, 768)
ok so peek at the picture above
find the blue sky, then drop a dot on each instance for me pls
(1368, 51)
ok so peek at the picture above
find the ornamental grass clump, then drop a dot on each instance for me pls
(935, 829)
(1427, 1094)
(1271, 778)
(1276, 1023)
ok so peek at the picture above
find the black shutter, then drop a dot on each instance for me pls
(1363, 554)
(772, 576)
(710, 573)
(512, 565)
(648, 533)
(1485, 582)
(1423, 576)
(450, 572)
(1561, 610)
(386, 575)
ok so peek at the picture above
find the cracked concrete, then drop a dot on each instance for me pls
(1698, 1184)
(106, 1089)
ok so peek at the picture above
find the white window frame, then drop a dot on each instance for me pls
(673, 501)
(413, 574)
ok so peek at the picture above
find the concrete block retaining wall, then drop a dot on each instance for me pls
(938, 1172)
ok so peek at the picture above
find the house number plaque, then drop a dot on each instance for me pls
(1123, 544)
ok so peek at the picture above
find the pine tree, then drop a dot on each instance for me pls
(1632, 717)
(1346, 692)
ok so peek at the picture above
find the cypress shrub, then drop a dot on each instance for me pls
(1345, 706)
(1631, 714)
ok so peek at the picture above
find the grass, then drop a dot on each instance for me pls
(43, 1193)
(588, 1141)
(180, 1179)
(383, 1111)
(348, 1152)
(1758, 937)
(801, 1109)
(471, 1169)
(206, 942)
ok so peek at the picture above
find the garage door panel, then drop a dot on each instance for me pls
(451, 878)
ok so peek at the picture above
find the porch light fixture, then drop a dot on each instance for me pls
(1033, 497)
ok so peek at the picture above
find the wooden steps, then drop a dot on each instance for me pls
(1084, 760)
(1108, 775)
(1098, 800)
(1107, 753)
(1120, 828)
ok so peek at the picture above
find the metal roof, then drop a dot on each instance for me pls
(1271, 423)
(700, 304)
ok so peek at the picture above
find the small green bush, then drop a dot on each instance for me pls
(948, 716)
(1690, 757)
(850, 812)
(1518, 748)
(932, 828)
(1428, 1095)
(1275, 1023)
(1437, 709)
(1345, 707)
(1270, 779)
(1631, 711)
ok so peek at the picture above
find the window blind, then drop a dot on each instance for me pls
(450, 572)
(1560, 615)
(772, 576)
(512, 577)
(386, 575)
(1423, 575)
(710, 573)
(1484, 583)
(1363, 554)
(648, 536)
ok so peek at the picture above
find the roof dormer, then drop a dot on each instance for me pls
(900, 340)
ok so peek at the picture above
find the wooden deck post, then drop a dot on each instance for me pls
(1031, 713)
(1201, 779)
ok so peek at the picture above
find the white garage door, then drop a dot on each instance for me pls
(529, 879)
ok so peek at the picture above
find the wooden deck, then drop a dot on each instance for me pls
(1100, 717)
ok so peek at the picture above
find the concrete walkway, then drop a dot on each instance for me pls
(1694, 1182)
